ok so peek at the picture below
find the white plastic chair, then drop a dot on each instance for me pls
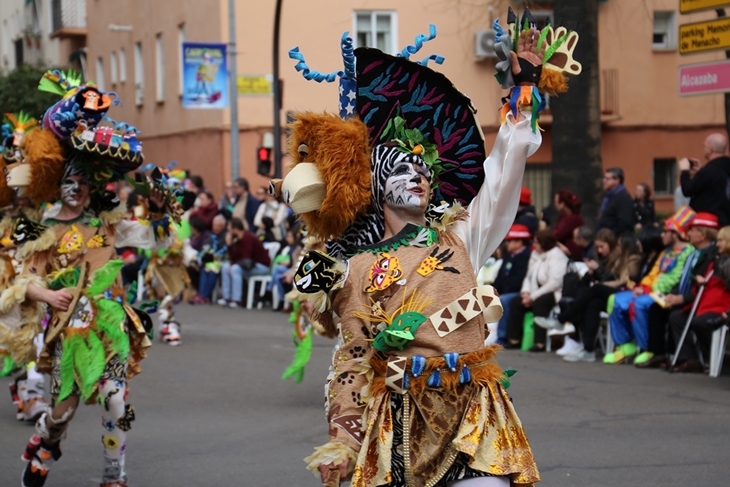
(717, 350)
(272, 248)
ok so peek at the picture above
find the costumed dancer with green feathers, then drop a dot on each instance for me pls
(95, 340)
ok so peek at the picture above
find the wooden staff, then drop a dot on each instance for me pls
(333, 478)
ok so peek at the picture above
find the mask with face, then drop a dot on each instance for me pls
(404, 187)
(71, 186)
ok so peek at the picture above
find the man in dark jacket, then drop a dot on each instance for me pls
(617, 208)
(526, 212)
(512, 272)
(708, 189)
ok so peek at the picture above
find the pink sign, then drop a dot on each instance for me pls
(700, 79)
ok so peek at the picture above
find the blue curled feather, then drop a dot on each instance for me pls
(438, 59)
(498, 29)
(310, 74)
(6, 132)
(348, 56)
(418, 42)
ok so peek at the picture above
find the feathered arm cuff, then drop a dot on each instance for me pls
(331, 453)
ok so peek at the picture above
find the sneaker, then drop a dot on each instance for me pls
(222, 302)
(581, 356)
(643, 357)
(566, 329)
(547, 323)
(569, 347)
(234, 304)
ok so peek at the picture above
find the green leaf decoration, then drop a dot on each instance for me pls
(510, 372)
(109, 318)
(104, 277)
(400, 332)
(554, 47)
(92, 366)
(67, 367)
(413, 141)
(301, 358)
(68, 277)
(142, 188)
(543, 37)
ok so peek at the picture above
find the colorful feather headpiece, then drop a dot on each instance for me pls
(14, 128)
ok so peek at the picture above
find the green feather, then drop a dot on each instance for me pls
(67, 367)
(554, 47)
(301, 358)
(92, 363)
(7, 366)
(543, 36)
(81, 364)
(46, 84)
(109, 317)
(104, 277)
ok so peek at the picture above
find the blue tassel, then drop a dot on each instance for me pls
(465, 375)
(451, 360)
(418, 363)
(406, 380)
(514, 96)
(435, 379)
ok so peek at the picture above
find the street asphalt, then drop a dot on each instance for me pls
(214, 412)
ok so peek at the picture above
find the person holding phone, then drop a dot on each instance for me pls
(708, 187)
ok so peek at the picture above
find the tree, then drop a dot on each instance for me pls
(19, 91)
(576, 130)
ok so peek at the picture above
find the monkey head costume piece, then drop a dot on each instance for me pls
(410, 205)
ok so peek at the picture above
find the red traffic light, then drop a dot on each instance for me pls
(264, 153)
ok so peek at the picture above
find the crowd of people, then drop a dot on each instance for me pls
(655, 280)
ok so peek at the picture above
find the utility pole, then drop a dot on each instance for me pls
(277, 94)
(233, 87)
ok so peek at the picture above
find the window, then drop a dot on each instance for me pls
(138, 74)
(538, 179)
(113, 67)
(664, 30)
(377, 29)
(100, 73)
(180, 41)
(122, 65)
(665, 176)
(159, 69)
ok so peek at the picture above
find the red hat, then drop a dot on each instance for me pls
(518, 232)
(525, 196)
(704, 219)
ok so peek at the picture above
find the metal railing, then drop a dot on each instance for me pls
(609, 92)
(68, 14)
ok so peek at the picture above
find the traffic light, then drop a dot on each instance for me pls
(263, 165)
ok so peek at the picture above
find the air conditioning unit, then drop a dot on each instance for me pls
(484, 41)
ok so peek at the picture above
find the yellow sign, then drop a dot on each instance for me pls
(688, 6)
(704, 36)
(253, 85)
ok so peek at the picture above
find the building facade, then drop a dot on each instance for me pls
(134, 49)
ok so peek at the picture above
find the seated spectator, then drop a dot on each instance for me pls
(526, 214)
(629, 318)
(541, 289)
(715, 299)
(194, 184)
(511, 273)
(228, 199)
(266, 232)
(583, 239)
(211, 259)
(273, 208)
(611, 273)
(643, 206)
(569, 219)
(205, 208)
(200, 236)
(283, 263)
(247, 257)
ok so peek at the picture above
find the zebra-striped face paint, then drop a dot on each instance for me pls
(408, 186)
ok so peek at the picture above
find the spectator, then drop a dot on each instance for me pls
(245, 206)
(274, 209)
(583, 239)
(211, 261)
(526, 212)
(708, 188)
(246, 257)
(629, 318)
(643, 206)
(205, 209)
(228, 199)
(194, 184)
(715, 298)
(200, 236)
(283, 263)
(680, 199)
(541, 289)
(568, 206)
(511, 273)
(617, 207)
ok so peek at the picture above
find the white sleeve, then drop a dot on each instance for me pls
(131, 233)
(493, 210)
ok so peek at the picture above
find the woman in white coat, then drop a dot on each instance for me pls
(541, 289)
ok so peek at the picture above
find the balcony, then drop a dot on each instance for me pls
(69, 18)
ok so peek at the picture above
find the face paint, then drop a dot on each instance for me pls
(408, 186)
(71, 190)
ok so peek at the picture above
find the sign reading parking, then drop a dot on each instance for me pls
(711, 35)
(689, 6)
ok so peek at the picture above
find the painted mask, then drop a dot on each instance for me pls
(408, 186)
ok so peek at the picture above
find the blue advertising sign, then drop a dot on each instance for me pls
(205, 75)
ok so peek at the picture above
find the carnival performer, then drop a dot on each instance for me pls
(413, 396)
(21, 236)
(94, 340)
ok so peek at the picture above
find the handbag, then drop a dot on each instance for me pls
(571, 280)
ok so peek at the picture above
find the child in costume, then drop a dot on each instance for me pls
(413, 396)
(94, 340)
